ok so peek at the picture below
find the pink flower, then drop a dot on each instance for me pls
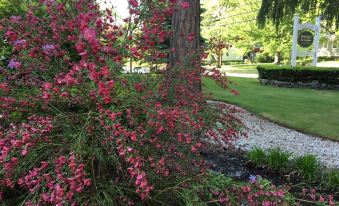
(321, 199)
(90, 35)
(70, 81)
(266, 203)
(185, 5)
(24, 152)
(87, 182)
(133, 3)
(138, 87)
(191, 37)
(47, 86)
(133, 136)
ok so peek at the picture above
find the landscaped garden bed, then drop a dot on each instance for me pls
(306, 180)
(308, 77)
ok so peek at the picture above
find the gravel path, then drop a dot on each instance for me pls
(265, 134)
(232, 74)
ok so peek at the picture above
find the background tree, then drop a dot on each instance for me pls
(236, 21)
(217, 45)
(279, 11)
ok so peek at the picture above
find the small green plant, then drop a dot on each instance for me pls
(257, 156)
(277, 159)
(333, 179)
(307, 166)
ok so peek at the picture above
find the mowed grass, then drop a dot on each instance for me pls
(310, 111)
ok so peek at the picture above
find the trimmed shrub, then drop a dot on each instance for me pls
(264, 58)
(328, 76)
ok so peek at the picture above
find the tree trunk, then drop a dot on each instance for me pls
(277, 57)
(186, 35)
(185, 41)
(219, 60)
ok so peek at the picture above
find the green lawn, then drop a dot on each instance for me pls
(310, 111)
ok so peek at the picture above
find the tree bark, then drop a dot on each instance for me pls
(186, 36)
(185, 44)
(219, 60)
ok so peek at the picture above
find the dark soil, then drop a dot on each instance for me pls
(233, 163)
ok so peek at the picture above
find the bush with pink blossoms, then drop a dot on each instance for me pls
(76, 131)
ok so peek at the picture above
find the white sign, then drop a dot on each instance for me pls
(296, 28)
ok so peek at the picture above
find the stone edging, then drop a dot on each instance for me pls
(311, 85)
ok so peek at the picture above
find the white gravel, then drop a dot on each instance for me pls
(232, 74)
(267, 135)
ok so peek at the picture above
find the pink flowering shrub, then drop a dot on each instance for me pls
(76, 131)
(220, 190)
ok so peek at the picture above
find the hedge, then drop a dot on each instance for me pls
(328, 76)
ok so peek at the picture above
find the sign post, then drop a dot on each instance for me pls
(316, 41)
(305, 38)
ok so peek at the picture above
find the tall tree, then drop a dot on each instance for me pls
(277, 11)
(185, 43)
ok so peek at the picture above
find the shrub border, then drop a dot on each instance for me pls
(293, 75)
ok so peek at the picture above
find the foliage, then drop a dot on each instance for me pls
(311, 180)
(235, 21)
(307, 166)
(76, 131)
(8, 8)
(279, 11)
(329, 76)
(264, 58)
(217, 45)
(257, 156)
(277, 159)
(11, 7)
(217, 189)
(333, 178)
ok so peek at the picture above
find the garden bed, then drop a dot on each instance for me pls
(303, 77)
(242, 166)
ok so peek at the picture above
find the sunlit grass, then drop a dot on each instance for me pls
(311, 111)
